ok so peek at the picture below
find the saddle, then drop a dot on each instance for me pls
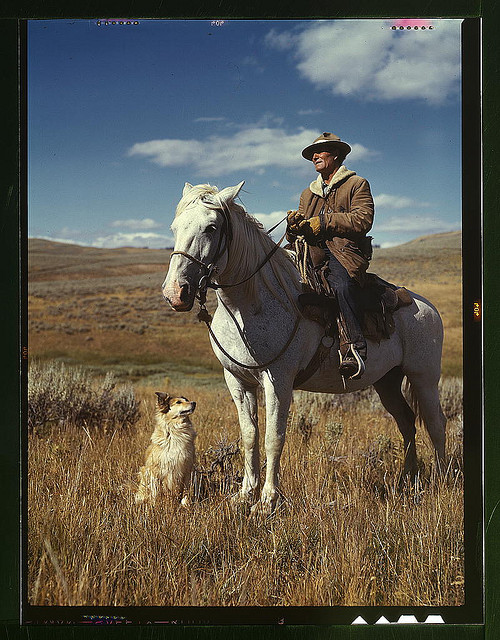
(377, 300)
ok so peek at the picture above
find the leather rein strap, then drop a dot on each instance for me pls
(209, 269)
(206, 282)
(254, 366)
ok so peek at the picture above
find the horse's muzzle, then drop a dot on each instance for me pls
(180, 298)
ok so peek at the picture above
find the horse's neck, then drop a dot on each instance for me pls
(262, 294)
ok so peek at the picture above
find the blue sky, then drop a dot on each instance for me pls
(120, 117)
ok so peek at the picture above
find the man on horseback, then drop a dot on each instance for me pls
(335, 214)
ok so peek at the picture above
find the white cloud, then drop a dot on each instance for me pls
(310, 112)
(387, 201)
(139, 239)
(368, 60)
(249, 149)
(253, 62)
(267, 120)
(68, 232)
(386, 245)
(116, 240)
(423, 225)
(169, 152)
(210, 119)
(63, 240)
(280, 41)
(271, 219)
(132, 223)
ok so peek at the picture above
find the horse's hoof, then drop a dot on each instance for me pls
(410, 483)
(261, 510)
(240, 504)
(407, 480)
(267, 508)
(439, 470)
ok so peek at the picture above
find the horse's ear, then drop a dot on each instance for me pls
(187, 188)
(229, 193)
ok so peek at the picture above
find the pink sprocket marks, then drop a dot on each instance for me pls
(412, 23)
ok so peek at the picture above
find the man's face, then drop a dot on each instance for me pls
(325, 162)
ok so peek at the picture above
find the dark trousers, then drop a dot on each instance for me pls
(345, 289)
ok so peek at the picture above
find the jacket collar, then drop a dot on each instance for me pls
(342, 174)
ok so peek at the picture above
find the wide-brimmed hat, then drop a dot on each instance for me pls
(326, 142)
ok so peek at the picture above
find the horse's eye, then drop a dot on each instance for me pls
(211, 228)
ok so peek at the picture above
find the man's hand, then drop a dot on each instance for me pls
(310, 229)
(293, 219)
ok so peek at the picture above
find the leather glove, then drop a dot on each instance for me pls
(293, 220)
(311, 228)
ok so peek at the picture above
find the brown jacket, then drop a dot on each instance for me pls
(348, 216)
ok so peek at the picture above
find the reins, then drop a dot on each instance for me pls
(266, 259)
(211, 267)
(251, 366)
(206, 282)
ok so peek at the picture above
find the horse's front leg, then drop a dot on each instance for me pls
(245, 399)
(278, 398)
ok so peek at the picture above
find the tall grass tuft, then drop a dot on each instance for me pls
(344, 535)
(69, 395)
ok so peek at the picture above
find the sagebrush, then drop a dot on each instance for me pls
(344, 533)
(69, 395)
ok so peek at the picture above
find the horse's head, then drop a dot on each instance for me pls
(202, 232)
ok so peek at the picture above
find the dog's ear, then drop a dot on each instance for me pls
(162, 398)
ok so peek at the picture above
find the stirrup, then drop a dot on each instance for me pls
(358, 362)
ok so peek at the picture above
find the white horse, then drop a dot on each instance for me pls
(261, 338)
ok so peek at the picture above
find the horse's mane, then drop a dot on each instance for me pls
(249, 245)
(194, 194)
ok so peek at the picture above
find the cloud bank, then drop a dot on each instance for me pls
(132, 223)
(249, 149)
(368, 60)
(422, 224)
(62, 240)
(139, 239)
(388, 201)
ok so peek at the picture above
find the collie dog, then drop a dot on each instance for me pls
(170, 456)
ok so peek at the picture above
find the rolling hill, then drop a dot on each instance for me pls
(103, 307)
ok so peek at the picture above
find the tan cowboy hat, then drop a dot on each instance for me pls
(326, 142)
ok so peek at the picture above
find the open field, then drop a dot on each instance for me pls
(103, 307)
(345, 535)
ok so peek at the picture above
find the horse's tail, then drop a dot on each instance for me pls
(412, 399)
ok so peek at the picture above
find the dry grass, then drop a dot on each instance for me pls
(343, 536)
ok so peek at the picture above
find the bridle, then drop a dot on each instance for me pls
(226, 233)
(206, 282)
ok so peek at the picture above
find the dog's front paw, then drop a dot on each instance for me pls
(141, 495)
